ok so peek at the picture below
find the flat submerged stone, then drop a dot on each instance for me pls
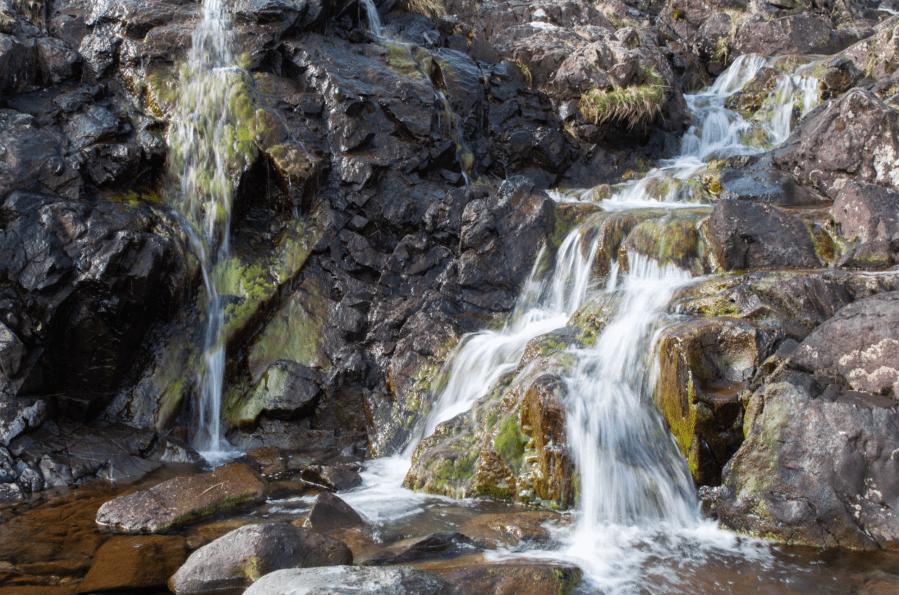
(182, 500)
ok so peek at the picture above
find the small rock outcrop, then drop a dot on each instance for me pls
(330, 513)
(232, 563)
(745, 235)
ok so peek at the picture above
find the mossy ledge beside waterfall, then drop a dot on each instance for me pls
(459, 297)
(205, 154)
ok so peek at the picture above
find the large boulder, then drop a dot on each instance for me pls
(514, 578)
(857, 348)
(350, 580)
(232, 563)
(182, 500)
(816, 468)
(794, 34)
(745, 235)
(330, 513)
(853, 137)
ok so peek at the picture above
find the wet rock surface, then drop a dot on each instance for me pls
(134, 563)
(512, 578)
(330, 513)
(232, 563)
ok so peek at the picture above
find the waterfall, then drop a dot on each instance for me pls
(201, 139)
(374, 19)
(544, 305)
(637, 510)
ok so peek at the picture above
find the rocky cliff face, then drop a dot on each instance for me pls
(391, 196)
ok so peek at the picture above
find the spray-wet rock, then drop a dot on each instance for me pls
(232, 563)
(182, 500)
(510, 578)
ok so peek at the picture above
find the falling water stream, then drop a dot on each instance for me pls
(202, 128)
(637, 512)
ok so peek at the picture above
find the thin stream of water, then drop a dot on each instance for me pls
(202, 128)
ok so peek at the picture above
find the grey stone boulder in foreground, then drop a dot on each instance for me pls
(182, 500)
(230, 564)
(353, 580)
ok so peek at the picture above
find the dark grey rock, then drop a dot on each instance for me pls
(813, 470)
(233, 562)
(858, 347)
(745, 235)
(330, 512)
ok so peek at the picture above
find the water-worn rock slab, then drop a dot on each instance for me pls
(330, 512)
(181, 500)
(230, 564)
(134, 563)
(442, 544)
(747, 235)
(352, 580)
(858, 347)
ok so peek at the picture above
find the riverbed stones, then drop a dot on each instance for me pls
(351, 580)
(182, 500)
(134, 563)
(745, 235)
(330, 513)
(233, 562)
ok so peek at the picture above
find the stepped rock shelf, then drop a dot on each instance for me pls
(450, 297)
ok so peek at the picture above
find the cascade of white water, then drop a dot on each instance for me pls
(629, 473)
(544, 305)
(636, 497)
(199, 137)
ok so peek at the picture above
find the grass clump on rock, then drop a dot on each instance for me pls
(635, 105)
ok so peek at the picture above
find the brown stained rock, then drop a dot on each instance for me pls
(858, 347)
(330, 512)
(514, 578)
(703, 365)
(134, 563)
(230, 564)
(182, 500)
(542, 419)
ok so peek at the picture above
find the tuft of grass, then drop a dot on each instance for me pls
(635, 105)
(428, 8)
(525, 71)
